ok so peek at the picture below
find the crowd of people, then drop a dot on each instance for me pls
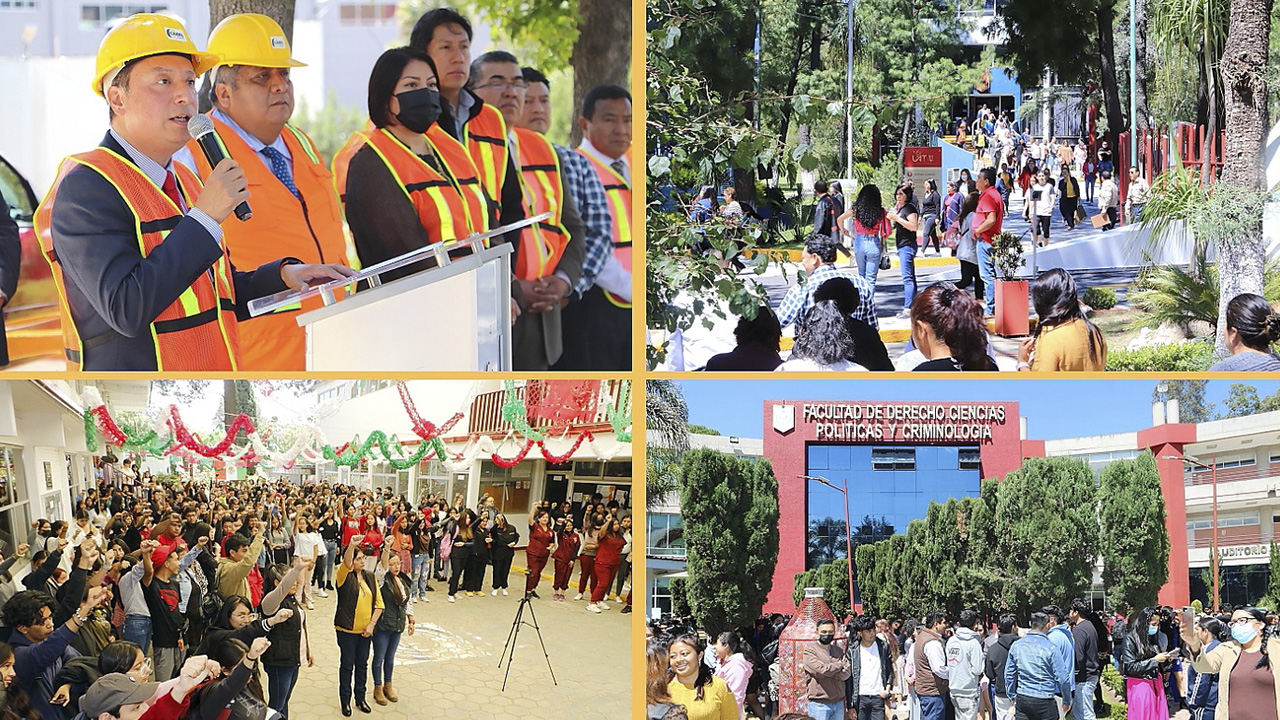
(152, 274)
(172, 600)
(974, 667)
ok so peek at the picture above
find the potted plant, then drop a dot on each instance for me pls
(1012, 294)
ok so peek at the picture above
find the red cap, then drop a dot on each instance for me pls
(162, 553)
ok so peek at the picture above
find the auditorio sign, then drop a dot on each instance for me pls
(888, 422)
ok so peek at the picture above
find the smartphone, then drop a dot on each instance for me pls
(1188, 617)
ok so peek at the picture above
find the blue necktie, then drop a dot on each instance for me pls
(280, 168)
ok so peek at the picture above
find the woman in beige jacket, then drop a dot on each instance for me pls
(1248, 669)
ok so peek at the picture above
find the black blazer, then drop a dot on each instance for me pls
(10, 266)
(114, 293)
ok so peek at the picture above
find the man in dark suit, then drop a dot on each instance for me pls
(137, 253)
(10, 264)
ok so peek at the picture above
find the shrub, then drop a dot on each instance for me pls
(1190, 356)
(1099, 298)
(1006, 255)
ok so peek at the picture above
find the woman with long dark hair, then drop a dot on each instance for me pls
(866, 225)
(823, 343)
(17, 704)
(502, 547)
(658, 702)
(396, 615)
(906, 222)
(608, 559)
(1064, 339)
(1202, 688)
(1144, 658)
(462, 546)
(704, 696)
(947, 328)
(283, 660)
(564, 552)
(1253, 328)
(967, 247)
(542, 543)
(733, 667)
(236, 694)
(355, 620)
(930, 209)
(1248, 668)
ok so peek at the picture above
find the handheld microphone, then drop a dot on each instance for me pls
(201, 129)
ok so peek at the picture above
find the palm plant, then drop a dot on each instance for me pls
(1198, 28)
(1170, 294)
(667, 425)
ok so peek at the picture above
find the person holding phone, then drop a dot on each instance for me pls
(1248, 671)
(1144, 658)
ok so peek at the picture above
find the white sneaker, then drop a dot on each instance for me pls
(322, 593)
(577, 597)
(495, 593)
(451, 599)
(604, 605)
(593, 607)
(504, 592)
(311, 605)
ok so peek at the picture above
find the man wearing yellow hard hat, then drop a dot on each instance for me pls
(134, 239)
(296, 208)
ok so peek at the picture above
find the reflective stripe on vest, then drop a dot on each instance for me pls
(310, 230)
(441, 208)
(618, 193)
(462, 172)
(195, 332)
(485, 137)
(542, 245)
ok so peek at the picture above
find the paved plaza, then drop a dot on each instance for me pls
(449, 667)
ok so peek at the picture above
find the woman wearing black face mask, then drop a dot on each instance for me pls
(411, 184)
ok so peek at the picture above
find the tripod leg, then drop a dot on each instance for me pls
(511, 635)
(538, 630)
(511, 641)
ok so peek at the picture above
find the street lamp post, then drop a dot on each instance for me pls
(1213, 481)
(848, 530)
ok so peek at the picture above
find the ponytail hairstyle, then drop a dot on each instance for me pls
(704, 673)
(731, 640)
(955, 317)
(1251, 316)
(1214, 627)
(1054, 297)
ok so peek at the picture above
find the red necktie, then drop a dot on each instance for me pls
(170, 188)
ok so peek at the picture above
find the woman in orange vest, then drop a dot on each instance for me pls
(406, 187)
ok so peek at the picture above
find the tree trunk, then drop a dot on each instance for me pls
(1105, 17)
(1244, 77)
(1146, 67)
(279, 10)
(602, 54)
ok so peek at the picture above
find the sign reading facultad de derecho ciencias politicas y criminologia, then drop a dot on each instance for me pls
(888, 422)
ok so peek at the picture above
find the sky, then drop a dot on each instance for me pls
(1053, 408)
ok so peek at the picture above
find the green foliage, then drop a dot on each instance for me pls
(1113, 680)
(1186, 356)
(1099, 298)
(679, 597)
(730, 508)
(1273, 579)
(1020, 543)
(521, 25)
(666, 417)
(329, 126)
(1171, 294)
(1006, 253)
(1059, 37)
(702, 430)
(1242, 400)
(833, 578)
(1133, 541)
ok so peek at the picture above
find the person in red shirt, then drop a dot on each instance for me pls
(351, 526)
(542, 542)
(567, 544)
(989, 217)
(608, 558)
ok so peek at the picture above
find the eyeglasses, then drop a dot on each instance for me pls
(1243, 620)
(504, 84)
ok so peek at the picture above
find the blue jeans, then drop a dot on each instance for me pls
(137, 630)
(353, 650)
(933, 707)
(907, 262)
(280, 683)
(826, 711)
(384, 655)
(421, 575)
(866, 255)
(987, 271)
(1082, 700)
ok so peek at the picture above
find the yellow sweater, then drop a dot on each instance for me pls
(1066, 347)
(717, 701)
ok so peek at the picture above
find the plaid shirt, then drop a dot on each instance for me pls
(581, 183)
(800, 298)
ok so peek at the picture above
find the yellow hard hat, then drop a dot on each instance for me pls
(251, 39)
(143, 35)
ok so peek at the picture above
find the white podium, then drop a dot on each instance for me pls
(455, 317)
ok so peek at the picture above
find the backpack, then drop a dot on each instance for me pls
(446, 546)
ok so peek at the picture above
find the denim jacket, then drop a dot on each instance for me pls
(1035, 669)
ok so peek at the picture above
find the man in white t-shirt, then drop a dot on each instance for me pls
(870, 670)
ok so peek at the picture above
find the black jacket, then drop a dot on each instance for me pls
(997, 655)
(10, 265)
(1086, 643)
(854, 654)
(1132, 666)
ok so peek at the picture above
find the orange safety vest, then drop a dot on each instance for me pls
(197, 332)
(618, 194)
(541, 246)
(310, 230)
(441, 207)
(485, 136)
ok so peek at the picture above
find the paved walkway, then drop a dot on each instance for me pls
(448, 668)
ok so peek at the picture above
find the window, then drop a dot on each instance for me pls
(13, 487)
(893, 458)
(510, 496)
(587, 469)
(95, 16)
(661, 596)
(1238, 462)
(1224, 521)
(665, 535)
(970, 459)
(17, 4)
(366, 14)
(617, 469)
(488, 469)
(1275, 457)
